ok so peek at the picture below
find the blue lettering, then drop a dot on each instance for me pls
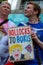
(23, 39)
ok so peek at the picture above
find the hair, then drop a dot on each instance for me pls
(36, 7)
(5, 2)
(15, 46)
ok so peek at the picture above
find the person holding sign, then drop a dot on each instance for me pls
(33, 11)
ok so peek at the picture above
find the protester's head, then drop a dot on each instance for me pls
(32, 9)
(5, 8)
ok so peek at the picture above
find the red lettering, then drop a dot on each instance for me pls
(27, 31)
(19, 31)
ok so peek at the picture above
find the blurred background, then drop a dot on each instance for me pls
(19, 5)
(17, 10)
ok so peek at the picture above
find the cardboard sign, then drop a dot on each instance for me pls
(20, 44)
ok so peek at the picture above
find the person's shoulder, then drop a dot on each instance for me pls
(22, 24)
(41, 24)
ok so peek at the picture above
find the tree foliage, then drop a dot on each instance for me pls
(1, 0)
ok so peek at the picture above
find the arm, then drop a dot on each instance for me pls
(4, 49)
(36, 39)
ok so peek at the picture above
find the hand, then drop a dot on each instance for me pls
(34, 36)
